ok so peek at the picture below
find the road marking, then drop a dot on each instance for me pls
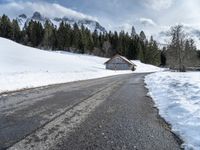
(50, 135)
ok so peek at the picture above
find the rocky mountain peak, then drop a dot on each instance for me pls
(23, 16)
(37, 16)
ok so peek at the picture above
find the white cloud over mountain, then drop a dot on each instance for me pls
(151, 16)
(14, 8)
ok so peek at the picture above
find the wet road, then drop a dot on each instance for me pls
(106, 113)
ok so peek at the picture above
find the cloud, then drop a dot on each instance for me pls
(125, 27)
(158, 4)
(147, 22)
(14, 8)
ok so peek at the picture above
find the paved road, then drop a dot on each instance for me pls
(107, 113)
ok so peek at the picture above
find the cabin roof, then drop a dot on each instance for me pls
(122, 57)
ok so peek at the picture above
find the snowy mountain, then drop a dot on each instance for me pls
(21, 19)
(90, 24)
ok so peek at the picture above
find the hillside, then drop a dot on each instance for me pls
(25, 67)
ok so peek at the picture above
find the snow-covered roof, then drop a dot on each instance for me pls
(122, 57)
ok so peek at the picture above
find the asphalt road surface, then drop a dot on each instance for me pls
(100, 114)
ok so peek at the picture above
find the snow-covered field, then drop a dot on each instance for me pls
(177, 95)
(26, 67)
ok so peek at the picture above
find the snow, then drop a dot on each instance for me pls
(177, 95)
(25, 67)
(21, 22)
(146, 68)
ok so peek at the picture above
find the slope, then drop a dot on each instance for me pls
(26, 67)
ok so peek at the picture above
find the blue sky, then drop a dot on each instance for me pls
(152, 16)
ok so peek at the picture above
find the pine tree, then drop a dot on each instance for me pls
(142, 36)
(83, 40)
(152, 52)
(96, 39)
(64, 36)
(16, 33)
(76, 37)
(163, 57)
(133, 32)
(115, 40)
(35, 33)
(136, 47)
(39, 33)
(130, 53)
(90, 42)
(49, 38)
(140, 52)
(126, 44)
(120, 46)
(5, 27)
(60, 37)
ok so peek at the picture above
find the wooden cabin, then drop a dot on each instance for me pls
(119, 62)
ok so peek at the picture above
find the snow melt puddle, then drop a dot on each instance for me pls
(177, 95)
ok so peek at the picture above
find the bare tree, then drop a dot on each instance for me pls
(181, 52)
(176, 47)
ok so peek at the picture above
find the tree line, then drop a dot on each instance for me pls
(81, 40)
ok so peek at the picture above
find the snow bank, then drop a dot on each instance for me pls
(177, 95)
(141, 67)
(26, 67)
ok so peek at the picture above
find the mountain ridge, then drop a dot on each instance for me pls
(92, 25)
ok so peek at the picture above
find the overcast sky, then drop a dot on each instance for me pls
(152, 16)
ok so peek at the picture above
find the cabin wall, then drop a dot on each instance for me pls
(118, 67)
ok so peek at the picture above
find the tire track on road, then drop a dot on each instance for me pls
(50, 132)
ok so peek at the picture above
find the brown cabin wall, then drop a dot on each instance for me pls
(118, 67)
